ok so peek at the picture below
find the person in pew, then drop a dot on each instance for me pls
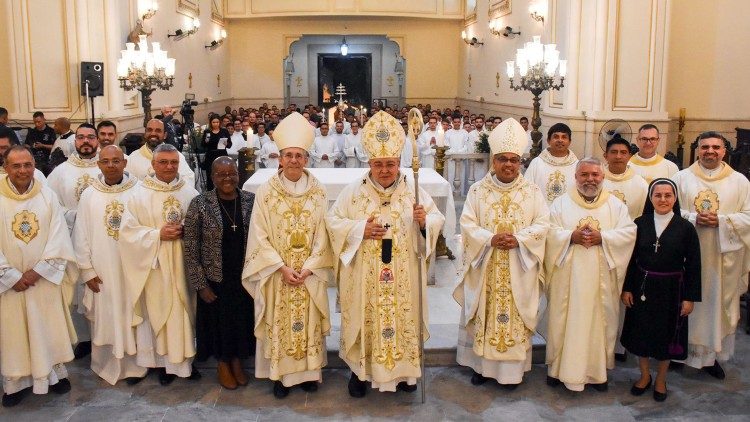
(504, 224)
(287, 267)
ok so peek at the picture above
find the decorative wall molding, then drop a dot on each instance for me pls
(429, 9)
(499, 8)
(190, 8)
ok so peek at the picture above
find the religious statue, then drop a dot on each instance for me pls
(326, 94)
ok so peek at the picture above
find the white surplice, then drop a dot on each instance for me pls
(553, 175)
(324, 145)
(652, 168)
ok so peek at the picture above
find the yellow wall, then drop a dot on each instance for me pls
(6, 28)
(257, 48)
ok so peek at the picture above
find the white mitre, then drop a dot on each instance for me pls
(293, 131)
(508, 136)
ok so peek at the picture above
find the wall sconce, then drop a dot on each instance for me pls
(344, 47)
(216, 43)
(536, 12)
(180, 34)
(505, 31)
(473, 41)
(289, 67)
(148, 8)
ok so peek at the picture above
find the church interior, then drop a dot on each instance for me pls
(678, 64)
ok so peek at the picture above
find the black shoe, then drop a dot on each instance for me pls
(82, 350)
(10, 400)
(309, 386)
(660, 396)
(600, 387)
(676, 366)
(357, 387)
(62, 386)
(509, 387)
(553, 382)
(195, 375)
(279, 390)
(638, 391)
(165, 378)
(715, 371)
(621, 357)
(133, 380)
(403, 386)
(478, 379)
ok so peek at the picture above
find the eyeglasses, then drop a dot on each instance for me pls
(82, 137)
(504, 160)
(168, 162)
(649, 140)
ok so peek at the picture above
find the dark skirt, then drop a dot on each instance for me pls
(653, 328)
(225, 329)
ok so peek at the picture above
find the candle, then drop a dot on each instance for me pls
(440, 138)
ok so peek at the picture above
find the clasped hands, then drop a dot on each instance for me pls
(171, 231)
(586, 236)
(292, 277)
(707, 219)
(374, 230)
(28, 279)
(504, 241)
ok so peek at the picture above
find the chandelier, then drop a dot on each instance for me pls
(144, 71)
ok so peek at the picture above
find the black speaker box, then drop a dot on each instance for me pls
(93, 73)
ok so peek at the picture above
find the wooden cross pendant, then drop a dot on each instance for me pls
(656, 245)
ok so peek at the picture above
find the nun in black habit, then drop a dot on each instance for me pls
(662, 282)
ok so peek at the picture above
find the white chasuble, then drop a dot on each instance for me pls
(629, 188)
(725, 258)
(110, 311)
(139, 166)
(288, 229)
(379, 295)
(70, 179)
(553, 175)
(500, 289)
(653, 168)
(36, 331)
(163, 305)
(583, 287)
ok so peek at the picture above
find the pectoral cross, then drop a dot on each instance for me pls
(656, 245)
(234, 227)
(387, 226)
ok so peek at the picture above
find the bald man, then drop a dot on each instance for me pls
(65, 141)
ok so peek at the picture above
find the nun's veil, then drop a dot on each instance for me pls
(649, 207)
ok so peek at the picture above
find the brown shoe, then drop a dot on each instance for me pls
(239, 374)
(226, 379)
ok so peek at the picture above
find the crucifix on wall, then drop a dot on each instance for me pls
(190, 80)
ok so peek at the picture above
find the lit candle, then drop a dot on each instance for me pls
(563, 68)
(440, 138)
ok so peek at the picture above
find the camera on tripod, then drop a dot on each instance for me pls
(186, 110)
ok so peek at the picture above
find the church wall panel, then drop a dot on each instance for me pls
(441, 9)
(634, 55)
(8, 87)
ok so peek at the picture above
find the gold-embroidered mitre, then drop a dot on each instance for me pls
(383, 136)
(509, 136)
(294, 131)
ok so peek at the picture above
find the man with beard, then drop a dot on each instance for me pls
(139, 162)
(106, 302)
(68, 181)
(151, 249)
(340, 139)
(589, 244)
(106, 131)
(35, 252)
(5, 144)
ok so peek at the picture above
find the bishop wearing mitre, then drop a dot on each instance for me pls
(589, 244)
(504, 224)
(106, 301)
(287, 266)
(375, 228)
(37, 269)
(152, 253)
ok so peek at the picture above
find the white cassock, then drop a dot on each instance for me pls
(238, 142)
(583, 287)
(291, 322)
(654, 167)
(36, 332)
(632, 190)
(259, 141)
(164, 307)
(362, 155)
(350, 149)
(69, 180)
(267, 149)
(96, 242)
(380, 301)
(139, 165)
(340, 140)
(38, 175)
(725, 258)
(458, 143)
(65, 143)
(427, 153)
(324, 145)
(553, 175)
(500, 289)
